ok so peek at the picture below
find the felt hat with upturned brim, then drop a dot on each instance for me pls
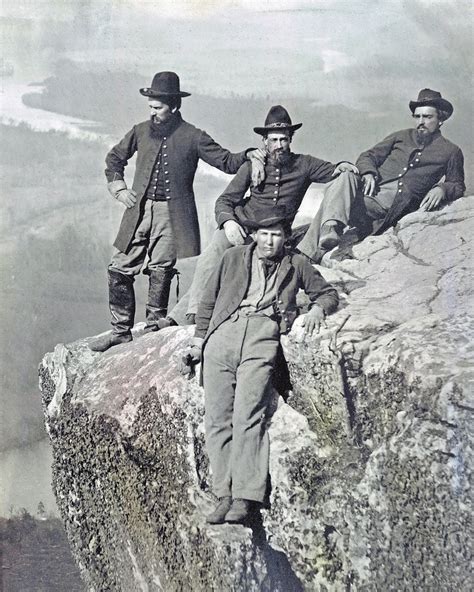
(261, 218)
(431, 98)
(164, 84)
(277, 120)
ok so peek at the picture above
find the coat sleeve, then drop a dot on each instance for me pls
(453, 183)
(233, 195)
(370, 160)
(208, 300)
(320, 171)
(118, 157)
(317, 288)
(212, 153)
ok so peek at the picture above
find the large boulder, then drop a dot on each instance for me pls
(370, 455)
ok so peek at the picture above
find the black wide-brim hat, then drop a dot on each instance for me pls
(431, 98)
(277, 120)
(265, 218)
(164, 84)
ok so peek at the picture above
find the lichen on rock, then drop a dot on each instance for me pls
(370, 456)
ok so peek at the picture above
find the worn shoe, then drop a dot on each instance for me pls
(330, 235)
(239, 512)
(104, 342)
(220, 511)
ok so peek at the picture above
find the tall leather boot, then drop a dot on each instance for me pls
(122, 310)
(158, 295)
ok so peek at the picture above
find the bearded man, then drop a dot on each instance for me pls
(412, 169)
(287, 177)
(160, 220)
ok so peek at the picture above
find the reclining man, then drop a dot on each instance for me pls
(161, 218)
(248, 302)
(287, 177)
(400, 174)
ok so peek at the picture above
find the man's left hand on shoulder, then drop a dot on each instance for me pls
(312, 321)
(345, 167)
(432, 199)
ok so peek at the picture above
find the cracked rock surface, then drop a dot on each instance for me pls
(370, 457)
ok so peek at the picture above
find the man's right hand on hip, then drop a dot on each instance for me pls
(118, 190)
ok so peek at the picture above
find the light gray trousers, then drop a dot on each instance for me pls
(238, 364)
(154, 237)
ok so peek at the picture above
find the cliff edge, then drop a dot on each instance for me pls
(371, 455)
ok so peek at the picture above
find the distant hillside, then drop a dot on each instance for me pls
(36, 556)
(332, 132)
(57, 228)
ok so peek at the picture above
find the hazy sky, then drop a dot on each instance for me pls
(331, 51)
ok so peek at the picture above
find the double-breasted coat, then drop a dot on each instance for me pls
(182, 146)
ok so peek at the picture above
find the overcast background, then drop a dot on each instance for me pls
(347, 70)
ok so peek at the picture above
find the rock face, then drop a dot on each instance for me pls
(370, 457)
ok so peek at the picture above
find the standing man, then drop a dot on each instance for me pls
(287, 177)
(160, 219)
(248, 302)
(400, 174)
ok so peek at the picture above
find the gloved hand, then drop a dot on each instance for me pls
(234, 232)
(191, 357)
(257, 160)
(118, 190)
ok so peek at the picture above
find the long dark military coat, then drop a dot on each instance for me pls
(183, 146)
(417, 168)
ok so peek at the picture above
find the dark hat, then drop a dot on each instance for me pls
(431, 98)
(165, 84)
(265, 218)
(278, 119)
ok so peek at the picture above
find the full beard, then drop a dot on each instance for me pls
(279, 157)
(159, 129)
(423, 135)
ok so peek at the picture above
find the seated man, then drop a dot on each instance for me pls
(287, 177)
(400, 174)
(248, 302)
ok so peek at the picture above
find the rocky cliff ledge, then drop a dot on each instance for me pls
(370, 457)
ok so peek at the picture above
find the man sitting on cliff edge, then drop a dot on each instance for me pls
(400, 174)
(248, 302)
